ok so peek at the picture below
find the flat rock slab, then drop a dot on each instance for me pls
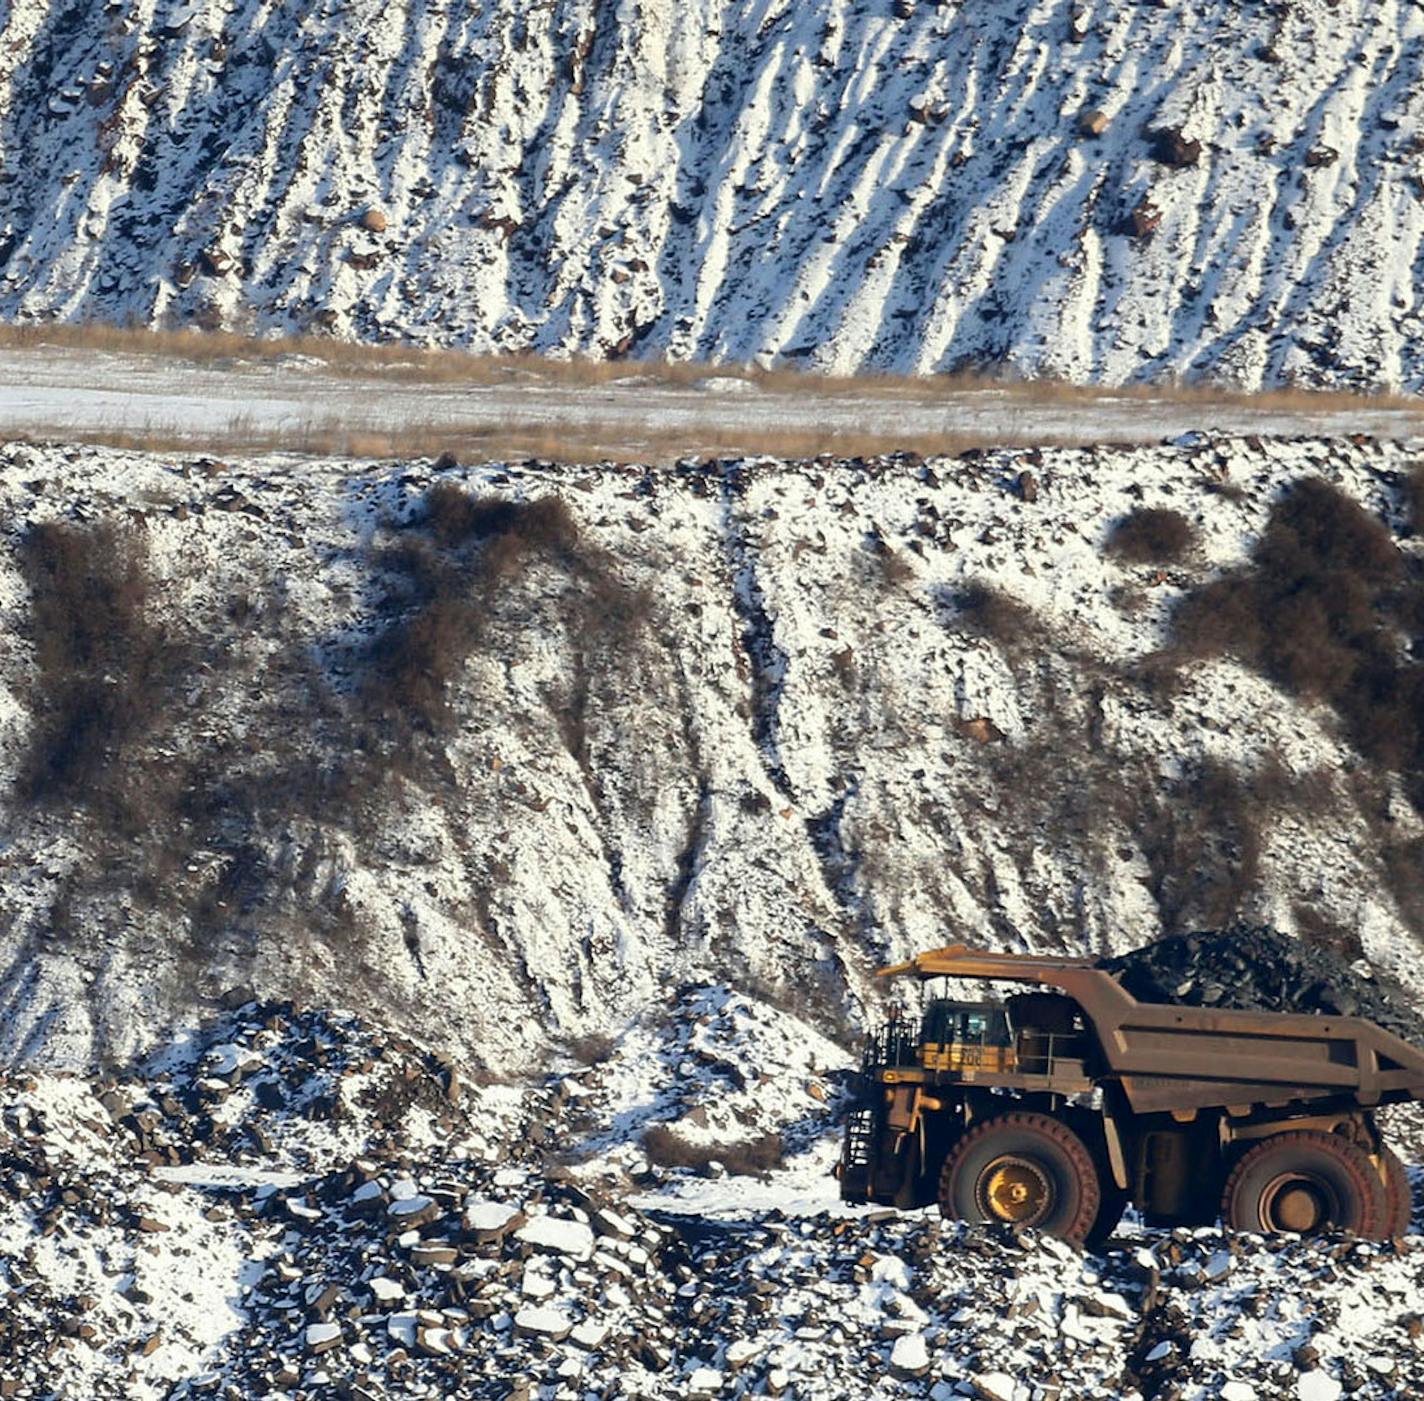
(552, 1233)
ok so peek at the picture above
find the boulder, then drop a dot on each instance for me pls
(558, 1236)
(910, 1357)
(433, 1254)
(1317, 1386)
(322, 1337)
(541, 1322)
(487, 1222)
(413, 1212)
(607, 1222)
(1145, 219)
(981, 730)
(1171, 147)
(994, 1386)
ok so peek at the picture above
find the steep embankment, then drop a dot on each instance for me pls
(505, 754)
(885, 183)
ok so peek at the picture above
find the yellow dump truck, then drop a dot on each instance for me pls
(1056, 1108)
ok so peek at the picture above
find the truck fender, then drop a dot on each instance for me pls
(1117, 1161)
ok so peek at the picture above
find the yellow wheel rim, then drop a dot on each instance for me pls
(1293, 1203)
(1014, 1190)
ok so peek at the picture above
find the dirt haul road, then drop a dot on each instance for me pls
(298, 403)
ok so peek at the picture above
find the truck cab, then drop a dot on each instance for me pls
(924, 1080)
(1030, 1035)
(958, 1035)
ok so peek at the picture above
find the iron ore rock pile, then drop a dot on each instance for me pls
(1259, 968)
(273, 1077)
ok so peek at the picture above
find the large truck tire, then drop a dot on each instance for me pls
(1110, 1213)
(1401, 1195)
(1307, 1182)
(1021, 1169)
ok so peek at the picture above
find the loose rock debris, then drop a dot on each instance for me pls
(514, 1283)
(417, 1266)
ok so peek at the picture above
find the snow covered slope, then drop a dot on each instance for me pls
(839, 183)
(505, 755)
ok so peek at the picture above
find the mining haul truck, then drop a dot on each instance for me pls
(1055, 1109)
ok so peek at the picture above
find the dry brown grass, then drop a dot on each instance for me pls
(569, 443)
(417, 365)
(1020, 414)
(749, 1158)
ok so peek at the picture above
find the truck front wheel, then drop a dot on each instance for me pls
(1307, 1182)
(1022, 1170)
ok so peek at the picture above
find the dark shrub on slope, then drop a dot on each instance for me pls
(459, 574)
(106, 670)
(1152, 535)
(1328, 610)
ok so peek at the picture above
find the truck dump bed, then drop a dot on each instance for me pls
(1168, 1057)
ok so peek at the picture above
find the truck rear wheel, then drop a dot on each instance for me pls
(1110, 1212)
(1022, 1170)
(1401, 1195)
(1307, 1182)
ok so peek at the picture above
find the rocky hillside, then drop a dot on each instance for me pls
(505, 755)
(1064, 187)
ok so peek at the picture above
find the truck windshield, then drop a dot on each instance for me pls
(977, 1024)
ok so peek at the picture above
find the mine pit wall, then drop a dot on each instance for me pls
(1136, 193)
(510, 779)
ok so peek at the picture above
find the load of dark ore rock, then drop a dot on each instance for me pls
(1259, 969)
